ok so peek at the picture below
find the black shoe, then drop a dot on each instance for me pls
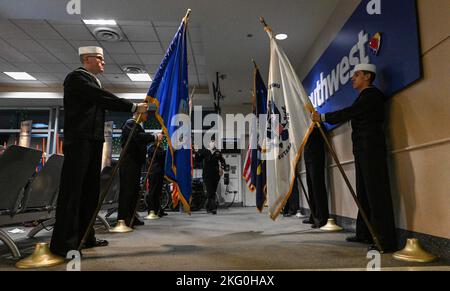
(138, 222)
(162, 213)
(386, 250)
(355, 239)
(214, 212)
(97, 243)
(287, 214)
(308, 221)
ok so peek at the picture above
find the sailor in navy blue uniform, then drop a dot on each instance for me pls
(369, 148)
(213, 166)
(85, 103)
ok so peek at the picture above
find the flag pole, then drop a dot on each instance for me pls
(349, 186)
(186, 17)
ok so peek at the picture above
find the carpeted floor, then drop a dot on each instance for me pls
(234, 239)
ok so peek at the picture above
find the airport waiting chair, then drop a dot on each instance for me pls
(17, 166)
(41, 194)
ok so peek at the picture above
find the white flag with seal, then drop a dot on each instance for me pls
(288, 127)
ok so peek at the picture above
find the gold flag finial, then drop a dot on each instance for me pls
(188, 13)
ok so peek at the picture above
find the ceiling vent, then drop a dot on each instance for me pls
(133, 69)
(107, 34)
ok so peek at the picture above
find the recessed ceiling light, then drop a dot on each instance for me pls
(281, 36)
(140, 77)
(20, 76)
(100, 21)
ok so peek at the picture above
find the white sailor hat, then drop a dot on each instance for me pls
(84, 50)
(366, 67)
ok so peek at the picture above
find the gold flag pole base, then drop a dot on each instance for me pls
(152, 216)
(413, 252)
(331, 226)
(41, 258)
(121, 227)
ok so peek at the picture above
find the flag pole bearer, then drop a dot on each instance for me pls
(311, 109)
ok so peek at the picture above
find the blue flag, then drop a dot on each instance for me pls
(169, 92)
(254, 166)
(259, 165)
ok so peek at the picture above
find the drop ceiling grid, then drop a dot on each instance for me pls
(49, 49)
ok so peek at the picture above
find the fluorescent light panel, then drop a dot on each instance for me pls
(99, 21)
(140, 77)
(20, 76)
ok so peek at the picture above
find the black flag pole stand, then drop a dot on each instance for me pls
(349, 186)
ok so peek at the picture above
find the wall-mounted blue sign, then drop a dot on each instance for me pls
(382, 32)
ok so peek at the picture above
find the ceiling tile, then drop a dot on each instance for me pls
(29, 67)
(166, 23)
(74, 32)
(117, 47)
(26, 45)
(5, 67)
(151, 68)
(153, 48)
(126, 59)
(151, 59)
(57, 69)
(69, 57)
(116, 77)
(57, 45)
(195, 34)
(200, 60)
(38, 30)
(139, 33)
(166, 34)
(112, 69)
(9, 30)
(201, 69)
(42, 57)
(197, 47)
(79, 43)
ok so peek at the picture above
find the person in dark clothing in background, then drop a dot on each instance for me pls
(369, 148)
(156, 178)
(314, 155)
(211, 173)
(85, 103)
(131, 168)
